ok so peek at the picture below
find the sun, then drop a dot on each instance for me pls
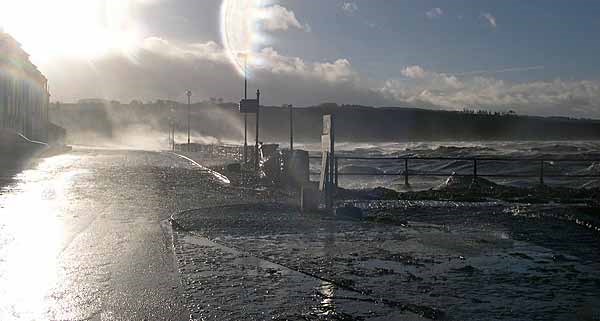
(83, 29)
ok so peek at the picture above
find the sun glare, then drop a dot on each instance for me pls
(83, 29)
(240, 31)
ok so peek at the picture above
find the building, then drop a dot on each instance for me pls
(24, 96)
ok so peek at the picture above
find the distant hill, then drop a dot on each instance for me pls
(354, 123)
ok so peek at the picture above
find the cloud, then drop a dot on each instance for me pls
(490, 19)
(349, 7)
(556, 97)
(414, 72)
(210, 51)
(337, 71)
(500, 71)
(162, 69)
(434, 13)
(278, 18)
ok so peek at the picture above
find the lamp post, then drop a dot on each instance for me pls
(189, 96)
(291, 107)
(245, 114)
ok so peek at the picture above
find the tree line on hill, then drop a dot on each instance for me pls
(353, 123)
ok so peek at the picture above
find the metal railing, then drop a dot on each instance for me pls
(476, 162)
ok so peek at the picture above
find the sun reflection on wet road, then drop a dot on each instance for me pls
(31, 237)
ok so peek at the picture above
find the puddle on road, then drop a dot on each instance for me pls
(475, 269)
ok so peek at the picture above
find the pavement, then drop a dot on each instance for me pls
(83, 235)
(88, 235)
(445, 260)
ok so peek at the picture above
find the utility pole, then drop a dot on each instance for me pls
(291, 127)
(189, 96)
(245, 114)
(257, 128)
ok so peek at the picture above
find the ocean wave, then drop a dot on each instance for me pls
(559, 148)
(358, 169)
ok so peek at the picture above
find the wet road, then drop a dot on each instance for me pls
(81, 236)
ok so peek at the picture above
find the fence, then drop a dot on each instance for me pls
(476, 162)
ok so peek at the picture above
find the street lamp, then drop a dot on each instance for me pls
(245, 114)
(291, 107)
(189, 96)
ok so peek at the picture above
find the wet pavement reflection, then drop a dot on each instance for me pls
(31, 237)
(81, 237)
(86, 236)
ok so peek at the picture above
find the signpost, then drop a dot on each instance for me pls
(257, 128)
(328, 166)
(251, 106)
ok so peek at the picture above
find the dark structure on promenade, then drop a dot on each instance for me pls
(24, 96)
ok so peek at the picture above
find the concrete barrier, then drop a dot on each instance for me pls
(296, 167)
(310, 197)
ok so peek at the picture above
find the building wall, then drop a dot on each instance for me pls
(24, 97)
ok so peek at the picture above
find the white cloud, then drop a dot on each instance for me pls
(278, 18)
(337, 71)
(349, 7)
(210, 50)
(434, 13)
(490, 19)
(557, 97)
(413, 72)
(162, 68)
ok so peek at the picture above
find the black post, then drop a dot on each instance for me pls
(246, 114)
(291, 128)
(337, 175)
(406, 171)
(245, 138)
(256, 163)
(542, 172)
(189, 95)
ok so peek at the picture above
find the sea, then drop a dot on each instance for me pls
(573, 164)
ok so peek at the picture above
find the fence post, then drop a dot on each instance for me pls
(542, 172)
(406, 171)
(475, 169)
(337, 175)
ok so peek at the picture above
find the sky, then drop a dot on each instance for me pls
(534, 57)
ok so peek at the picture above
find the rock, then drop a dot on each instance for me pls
(349, 212)
(381, 193)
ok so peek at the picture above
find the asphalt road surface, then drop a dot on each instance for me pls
(85, 236)
(82, 235)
